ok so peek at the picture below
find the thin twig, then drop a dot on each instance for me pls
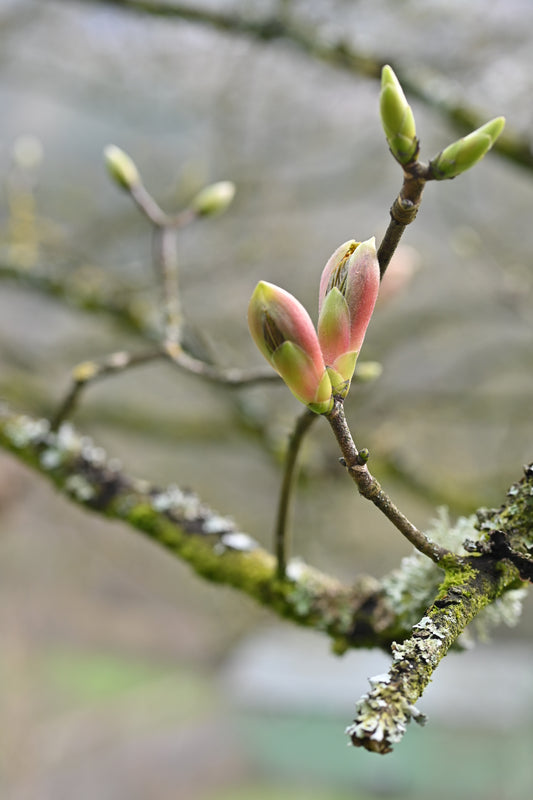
(370, 488)
(165, 257)
(232, 376)
(403, 211)
(281, 530)
(90, 371)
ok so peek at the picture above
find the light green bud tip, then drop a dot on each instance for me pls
(214, 199)
(465, 152)
(121, 167)
(397, 118)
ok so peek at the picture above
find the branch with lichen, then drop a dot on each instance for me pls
(369, 613)
(486, 578)
(339, 53)
(356, 616)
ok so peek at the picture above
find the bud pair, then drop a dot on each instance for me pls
(213, 199)
(399, 126)
(317, 367)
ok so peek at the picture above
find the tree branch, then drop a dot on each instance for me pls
(382, 715)
(361, 615)
(93, 290)
(354, 616)
(281, 530)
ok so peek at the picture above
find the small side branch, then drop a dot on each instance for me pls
(370, 488)
(90, 371)
(281, 530)
(232, 377)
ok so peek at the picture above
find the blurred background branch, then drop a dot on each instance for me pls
(335, 49)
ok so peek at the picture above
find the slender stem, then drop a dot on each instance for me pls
(403, 211)
(149, 207)
(281, 530)
(233, 377)
(165, 256)
(370, 488)
(90, 371)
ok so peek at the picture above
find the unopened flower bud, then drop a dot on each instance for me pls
(348, 291)
(214, 199)
(283, 332)
(121, 167)
(465, 152)
(397, 118)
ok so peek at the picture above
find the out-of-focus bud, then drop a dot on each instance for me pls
(348, 290)
(368, 371)
(121, 167)
(404, 265)
(214, 199)
(465, 152)
(397, 118)
(283, 332)
(27, 151)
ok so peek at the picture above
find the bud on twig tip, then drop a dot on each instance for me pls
(397, 118)
(121, 167)
(214, 199)
(464, 153)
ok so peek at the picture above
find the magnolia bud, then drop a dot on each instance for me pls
(283, 332)
(465, 152)
(121, 167)
(348, 291)
(397, 118)
(214, 199)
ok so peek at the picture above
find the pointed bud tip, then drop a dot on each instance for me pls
(121, 167)
(388, 77)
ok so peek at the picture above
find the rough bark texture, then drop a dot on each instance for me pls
(356, 616)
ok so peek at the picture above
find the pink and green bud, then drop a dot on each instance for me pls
(464, 153)
(397, 118)
(348, 291)
(283, 332)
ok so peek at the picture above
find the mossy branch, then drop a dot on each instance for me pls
(383, 714)
(358, 615)
(361, 615)
(501, 562)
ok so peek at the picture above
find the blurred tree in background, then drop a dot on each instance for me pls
(111, 650)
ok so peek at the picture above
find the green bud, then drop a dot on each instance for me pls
(214, 199)
(397, 118)
(465, 152)
(368, 371)
(121, 167)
